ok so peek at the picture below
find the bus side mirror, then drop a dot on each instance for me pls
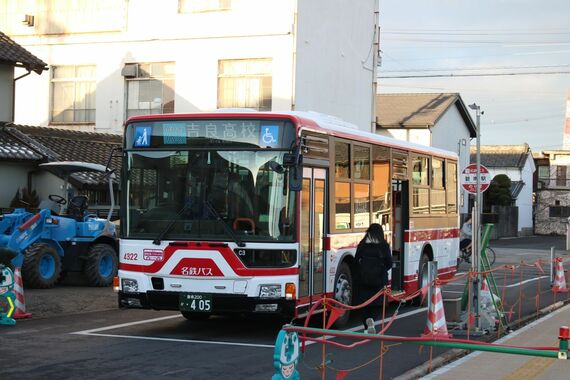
(295, 178)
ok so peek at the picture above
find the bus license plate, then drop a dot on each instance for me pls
(198, 302)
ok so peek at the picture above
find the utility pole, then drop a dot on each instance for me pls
(476, 233)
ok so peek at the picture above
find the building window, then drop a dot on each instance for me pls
(559, 211)
(245, 83)
(561, 175)
(73, 94)
(544, 172)
(196, 6)
(150, 88)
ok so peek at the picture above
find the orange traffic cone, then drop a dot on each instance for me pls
(436, 324)
(559, 279)
(20, 312)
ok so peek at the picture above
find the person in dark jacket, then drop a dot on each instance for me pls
(374, 260)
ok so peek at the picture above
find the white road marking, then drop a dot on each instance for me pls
(87, 332)
(96, 332)
(181, 340)
(498, 286)
(507, 337)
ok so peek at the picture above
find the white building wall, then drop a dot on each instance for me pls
(334, 70)
(524, 199)
(319, 69)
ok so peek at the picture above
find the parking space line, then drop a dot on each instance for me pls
(87, 332)
(97, 332)
(179, 340)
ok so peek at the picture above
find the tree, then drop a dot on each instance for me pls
(499, 192)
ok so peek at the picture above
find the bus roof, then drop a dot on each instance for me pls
(308, 120)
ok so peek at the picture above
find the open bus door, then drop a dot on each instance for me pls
(313, 229)
(400, 217)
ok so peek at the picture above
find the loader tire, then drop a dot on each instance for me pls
(101, 265)
(42, 266)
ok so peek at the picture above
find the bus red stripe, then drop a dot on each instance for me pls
(427, 235)
(228, 255)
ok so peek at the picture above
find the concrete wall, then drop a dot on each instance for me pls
(544, 224)
(6, 92)
(320, 69)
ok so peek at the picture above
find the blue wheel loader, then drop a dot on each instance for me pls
(63, 237)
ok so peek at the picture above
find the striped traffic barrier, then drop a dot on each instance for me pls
(436, 324)
(20, 312)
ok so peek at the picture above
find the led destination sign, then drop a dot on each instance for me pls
(193, 133)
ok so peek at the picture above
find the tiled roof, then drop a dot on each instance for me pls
(11, 52)
(67, 145)
(502, 156)
(418, 110)
(14, 148)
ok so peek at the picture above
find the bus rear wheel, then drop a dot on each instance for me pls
(343, 292)
(423, 279)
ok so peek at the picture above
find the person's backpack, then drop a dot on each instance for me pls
(372, 271)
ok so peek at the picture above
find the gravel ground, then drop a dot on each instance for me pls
(70, 297)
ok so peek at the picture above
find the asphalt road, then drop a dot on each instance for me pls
(83, 335)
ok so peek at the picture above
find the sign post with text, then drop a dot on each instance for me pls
(469, 178)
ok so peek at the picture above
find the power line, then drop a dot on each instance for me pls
(481, 42)
(471, 75)
(471, 33)
(478, 68)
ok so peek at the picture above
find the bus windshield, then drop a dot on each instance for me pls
(209, 194)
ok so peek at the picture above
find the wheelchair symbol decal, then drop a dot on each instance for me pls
(269, 135)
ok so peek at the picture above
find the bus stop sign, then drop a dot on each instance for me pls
(469, 178)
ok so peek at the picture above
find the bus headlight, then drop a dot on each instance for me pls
(129, 285)
(270, 291)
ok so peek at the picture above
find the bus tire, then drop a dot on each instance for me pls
(343, 292)
(191, 316)
(422, 278)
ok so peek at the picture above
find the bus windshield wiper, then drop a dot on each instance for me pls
(170, 224)
(228, 229)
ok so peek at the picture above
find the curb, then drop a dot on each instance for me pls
(455, 353)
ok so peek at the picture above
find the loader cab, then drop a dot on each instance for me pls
(75, 206)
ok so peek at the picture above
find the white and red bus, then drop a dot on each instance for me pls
(249, 212)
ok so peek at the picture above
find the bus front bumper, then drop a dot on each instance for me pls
(221, 303)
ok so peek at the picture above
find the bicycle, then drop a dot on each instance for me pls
(465, 255)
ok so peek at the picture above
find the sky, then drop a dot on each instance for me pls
(473, 37)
